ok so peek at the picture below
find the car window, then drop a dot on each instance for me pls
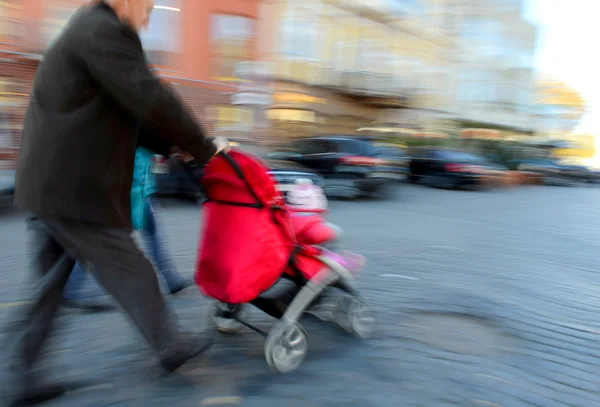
(459, 156)
(284, 165)
(417, 152)
(354, 147)
(312, 146)
(390, 151)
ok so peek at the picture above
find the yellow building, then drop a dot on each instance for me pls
(341, 65)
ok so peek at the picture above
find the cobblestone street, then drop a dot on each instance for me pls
(483, 299)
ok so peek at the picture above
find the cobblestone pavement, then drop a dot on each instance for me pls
(483, 298)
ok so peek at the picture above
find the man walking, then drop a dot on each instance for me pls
(93, 95)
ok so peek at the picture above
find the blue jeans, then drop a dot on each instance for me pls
(76, 285)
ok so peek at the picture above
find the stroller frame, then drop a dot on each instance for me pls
(286, 341)
(334, 275)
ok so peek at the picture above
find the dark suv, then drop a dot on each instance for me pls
(452, 169)
(351, 165)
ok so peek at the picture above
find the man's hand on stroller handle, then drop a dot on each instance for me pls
(222, 145)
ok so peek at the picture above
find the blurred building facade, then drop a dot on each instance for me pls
(422, 65)
(496, 75)
(195, 45)
(289, 68)
(340, 66)
(14, 88)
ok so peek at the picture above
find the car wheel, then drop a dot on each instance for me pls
(353, 193)
(343, 193)
(413, 178)
(439, 181)
(384, 192)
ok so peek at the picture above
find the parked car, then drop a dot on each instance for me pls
(556, 173)
(288, 173)
(395, 159)
(174, 180)
(7, 181)
(351, 166)
(595, 176)
(579, 173)
(452, 169)
(7, 189)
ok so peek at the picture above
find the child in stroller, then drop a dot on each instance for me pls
(247, 216)
(307, 205)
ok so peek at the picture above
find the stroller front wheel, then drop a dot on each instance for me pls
(286, 346)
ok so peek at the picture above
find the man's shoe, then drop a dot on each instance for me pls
(88, 305)
(187, 349)
(38, 395)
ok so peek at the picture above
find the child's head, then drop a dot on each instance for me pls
(307, 197)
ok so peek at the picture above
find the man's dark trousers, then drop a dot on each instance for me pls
(118, 265)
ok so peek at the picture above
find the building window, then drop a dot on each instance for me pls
(374, 56)
(437, 80)
(226, 117)
(291, 115)
(13, 101)
(12, 26)
(56, 16)
(162, 39)
(407, 7)
(232, 39)
(299, 34)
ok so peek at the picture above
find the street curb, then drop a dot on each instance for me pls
(529, 178)
(513, 179)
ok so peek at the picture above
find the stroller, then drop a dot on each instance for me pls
(249, 245)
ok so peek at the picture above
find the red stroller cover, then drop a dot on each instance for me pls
(312, 229)
(247, 238)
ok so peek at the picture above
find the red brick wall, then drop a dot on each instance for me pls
(23, 71)
(197, 95)
(201, 95)
(199, 99)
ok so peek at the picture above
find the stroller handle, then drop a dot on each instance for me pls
(189, 167)
(241, 175)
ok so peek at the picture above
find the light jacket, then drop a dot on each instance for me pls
(143, 187)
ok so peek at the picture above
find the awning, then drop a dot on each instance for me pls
(388, 130)
(486, 134)
(426, 134)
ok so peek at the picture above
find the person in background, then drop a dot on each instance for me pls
(144, 207)
(94, 101)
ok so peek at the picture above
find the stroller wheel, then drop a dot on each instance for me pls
(222, 322)
(356, 317)
(286, 346)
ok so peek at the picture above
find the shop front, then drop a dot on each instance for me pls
(296, 112)
(240, 111)
(301, 111)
